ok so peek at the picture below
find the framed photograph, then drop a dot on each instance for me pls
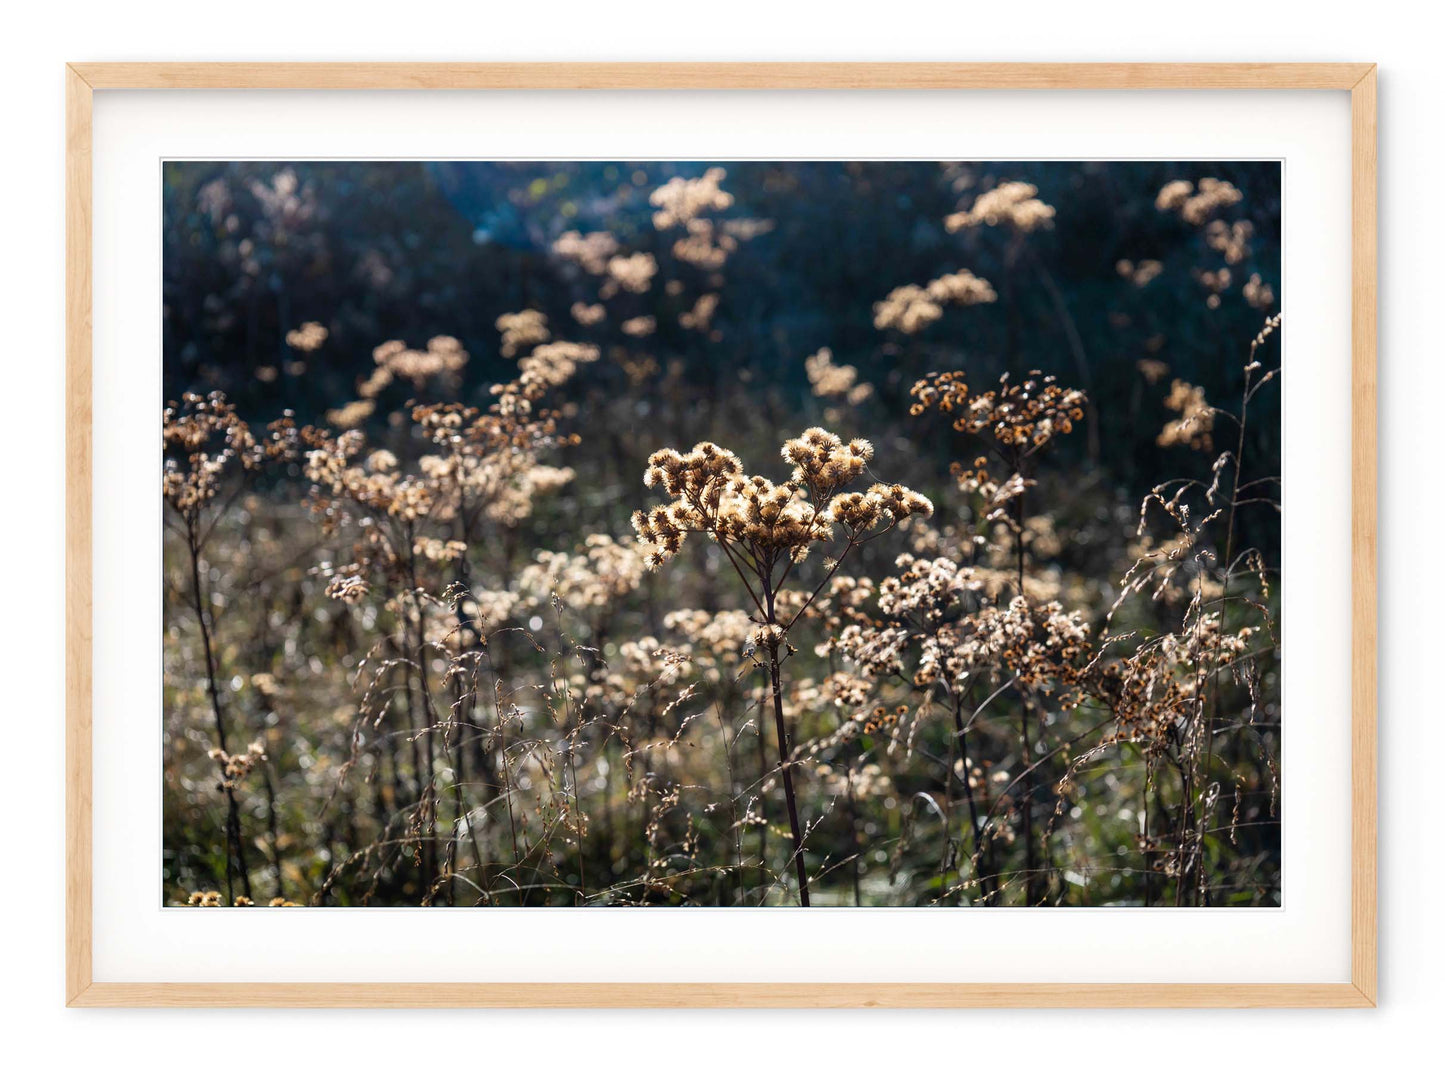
(721, 535)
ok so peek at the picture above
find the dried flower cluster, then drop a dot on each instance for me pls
(1197, 205)
(443, 355)
(831, 380)
(522, 330)
(1024, 415)
(767, 520)
(590, 251)
(1140, 273)
(910, 308)
(681, 201)
(1195, 422)
(308, 338)
(1012, 203)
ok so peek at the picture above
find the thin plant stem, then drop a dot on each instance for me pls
(235, 846)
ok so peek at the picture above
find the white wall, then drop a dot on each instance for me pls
(601, 1045)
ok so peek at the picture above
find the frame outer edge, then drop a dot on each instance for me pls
(182, 75)
(82, 79)
(688, 996)
(78, 519)
(1365, 602)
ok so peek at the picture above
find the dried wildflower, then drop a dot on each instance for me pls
(1012, 203)
(443, 356)
(374, 384)
(1195, 423)
(1023, 415)
(347, 588)
(910, 308)
(681, 201)
(1230, 239)
(962, 287)
(766, 529)
(831, 380)
(1197, 207)
(1152, 371)
(592, 578)
(642, 667)
(932, 630)
(202, 438)
(489, 609)
(437, 550)
(704, 245)
(522, 330)
(1139, 274)
(351, 414)
(588, 315)
(550, 365)
(1258, 293)
(719, 640)
(633, 273)
(235, 768)
(1173, 194)
(699, 317)
(590, 251)
(485, 467)
(308, 337)
(1271, 325)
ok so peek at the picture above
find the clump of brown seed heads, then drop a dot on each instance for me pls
(765, 519)
(1024, 415)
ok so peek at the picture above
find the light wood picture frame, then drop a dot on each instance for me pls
(84, 80)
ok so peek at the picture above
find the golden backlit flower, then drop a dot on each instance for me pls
(632, 273)
(711, 495)
(308, 337)
(681, 200)
(351, 414)
(522, 330)
(590, 251)
(1197, 206)
(1023, 416)
(1195, 422)
(1258, 293)
(831, 380)
(910, 308)
(1014, 203)
(699, 317)
(1141, 273)
(202, 439)
(588, 315)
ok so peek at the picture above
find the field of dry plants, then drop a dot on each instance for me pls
(822, 533)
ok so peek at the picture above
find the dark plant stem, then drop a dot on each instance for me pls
(235, 849)
(762, 798)
(1025, 750)
(980, 847)
(785, 752)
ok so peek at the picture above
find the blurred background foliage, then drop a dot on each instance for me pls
(407, 250)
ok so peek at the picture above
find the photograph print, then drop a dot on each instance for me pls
(747, 533)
